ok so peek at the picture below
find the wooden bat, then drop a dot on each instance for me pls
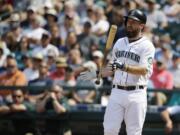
(108, 47)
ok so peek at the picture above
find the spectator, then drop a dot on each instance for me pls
(156, 18)
(69, 25)
(20, 102)
(55, 36)
(86, 39)
(4, 109)
(12, 76)
(30, 15)
(174, 102)
(75, 59)
(51, 61)
(101, 25)
(32, 72)
(2, 57)
(23, 49)
(59, 74)
(172, 10)
(168, 113)
(88, 96)
(43, 79)
(46, 47)
(175, 69)
(53, 100)
(161, 79)
(71, 41)
(51, 18)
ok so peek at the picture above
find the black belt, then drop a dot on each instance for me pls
(129, 88)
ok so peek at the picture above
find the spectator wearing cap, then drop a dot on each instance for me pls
(59, 74)
(87, 39)
(156, 18)
(12, 76)
(32, 72)
(161, 79)
(46, 47)
(43, 79)
(30, 15)
(51, 18)
(175, 69)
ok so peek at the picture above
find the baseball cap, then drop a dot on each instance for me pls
(61, 62)
(38, 56)
(31, 8)
(98, 54)
(52, 12)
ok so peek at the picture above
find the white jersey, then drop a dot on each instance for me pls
(139, 53)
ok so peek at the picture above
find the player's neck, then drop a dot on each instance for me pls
(133, 39)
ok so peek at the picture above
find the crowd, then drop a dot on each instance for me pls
(50, 42)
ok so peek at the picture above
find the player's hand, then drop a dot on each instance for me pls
(87, 75)
(117, 65)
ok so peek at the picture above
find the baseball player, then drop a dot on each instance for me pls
(132, 58)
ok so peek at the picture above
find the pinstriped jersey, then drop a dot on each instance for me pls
(137, 53)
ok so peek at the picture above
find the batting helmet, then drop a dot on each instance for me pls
(137, 15)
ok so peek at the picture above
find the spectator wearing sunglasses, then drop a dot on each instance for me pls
(12, 76)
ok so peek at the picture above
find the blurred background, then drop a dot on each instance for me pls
(46, 44)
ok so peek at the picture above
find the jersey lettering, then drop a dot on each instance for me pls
(129, 55)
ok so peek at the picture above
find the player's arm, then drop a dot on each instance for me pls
(137, 70)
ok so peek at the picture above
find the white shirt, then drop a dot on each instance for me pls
(46, 50)
(138, 53)
(31, 74)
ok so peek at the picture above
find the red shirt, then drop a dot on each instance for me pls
(56, 75)
(162, 79)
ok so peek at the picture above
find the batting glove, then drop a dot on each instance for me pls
(88, 75)
(117, 65)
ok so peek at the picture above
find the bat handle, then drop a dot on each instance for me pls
(98, 77)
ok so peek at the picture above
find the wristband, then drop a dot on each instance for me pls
(127, 67)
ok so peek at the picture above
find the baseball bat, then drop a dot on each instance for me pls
(108, 47)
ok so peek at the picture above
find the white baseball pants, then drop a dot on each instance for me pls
(128, 105)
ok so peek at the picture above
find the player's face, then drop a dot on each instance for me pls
(133, 28)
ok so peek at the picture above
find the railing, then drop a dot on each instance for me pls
(81, 119)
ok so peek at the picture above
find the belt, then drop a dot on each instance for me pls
(129, 88)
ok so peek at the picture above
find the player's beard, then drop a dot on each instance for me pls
(132, 33)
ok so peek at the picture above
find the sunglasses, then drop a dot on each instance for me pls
(11, 66)
(17, 96)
